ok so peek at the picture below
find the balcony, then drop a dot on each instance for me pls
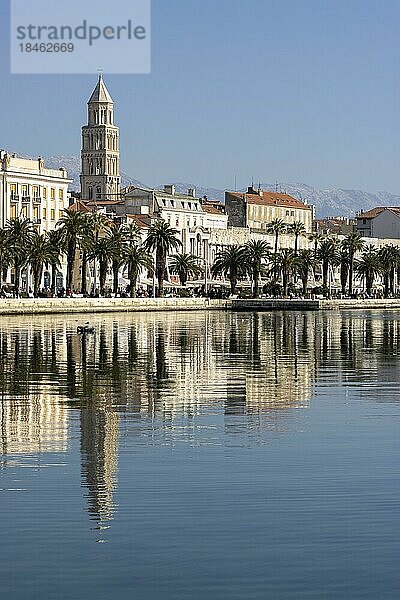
(37, 200)
(26, 199)
(14, 198)
(37, 221)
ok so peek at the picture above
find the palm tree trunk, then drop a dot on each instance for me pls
(351, 276)
(304, 282)
(115, 278)
(285, 282)
(325, 267)
(255, 284)
(103, 275)
(17, 276)
(37, 276)
(160, 267)
(53, 278)
(234, 283)
(386, 284)
(84, 274)
(70, 266)
(132, 284)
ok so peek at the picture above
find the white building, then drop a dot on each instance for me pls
(30, 191)
(194, 218)
(380, 222)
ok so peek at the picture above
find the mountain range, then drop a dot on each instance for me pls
(329, 202)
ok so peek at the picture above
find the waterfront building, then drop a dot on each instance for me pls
(194, 218)
(256, 208)
(100, 177)
(380, 222)
(30, 191)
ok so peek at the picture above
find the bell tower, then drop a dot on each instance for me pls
(100, 179)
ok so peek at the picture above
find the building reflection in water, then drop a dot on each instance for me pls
(251, 369)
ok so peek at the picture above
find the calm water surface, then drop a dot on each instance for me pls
(200, 456)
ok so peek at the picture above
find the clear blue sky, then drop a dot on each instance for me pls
(287, 90)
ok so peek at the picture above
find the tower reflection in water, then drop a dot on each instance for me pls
(146, 374)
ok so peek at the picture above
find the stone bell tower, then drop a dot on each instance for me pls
(100, 179)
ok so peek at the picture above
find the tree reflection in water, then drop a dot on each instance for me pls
(252, 369)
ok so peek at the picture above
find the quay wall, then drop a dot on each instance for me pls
(30, 306)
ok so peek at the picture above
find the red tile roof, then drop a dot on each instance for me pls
(78, 206)
(374, 212)
(139, 220)
(266, 198)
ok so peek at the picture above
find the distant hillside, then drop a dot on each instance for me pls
(330, 202)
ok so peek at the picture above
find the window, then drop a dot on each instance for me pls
(61, 194)
(53, 214)
(292, 213)
(60, 214)
(13, 190)
(90, 193)
(287, 213)
(52, 193)
(35, 191)
(364, 221)
(177, 223)
(13, 211)
(98, 192)
(35, 212)
(45, 213)
(44, 193)
(24, 191)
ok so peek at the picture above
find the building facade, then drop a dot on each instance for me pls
(380, 222)
(192, 217)
(30, 191)
(100, 177)
(256, 208)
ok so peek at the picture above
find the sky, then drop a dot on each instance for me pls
(270, 90)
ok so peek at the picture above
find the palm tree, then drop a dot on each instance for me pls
(161, 239)
(85, 240)
(70, 226)
(99, 225)
(230, 263)
(136, 258)
(368, 267)
(304, 264)
(117, 238)
(285, 264)
(54, 242)
(101, 251)
(255, 254)
(19, 234)
(327, 254)
(297, 229)
(40, 253)
(185, 266)
(344, 261)
(388, 259)
(4, 254)
(276, 227)
(353, 243)
(316, 238)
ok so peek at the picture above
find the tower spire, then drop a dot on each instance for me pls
(100, 178)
